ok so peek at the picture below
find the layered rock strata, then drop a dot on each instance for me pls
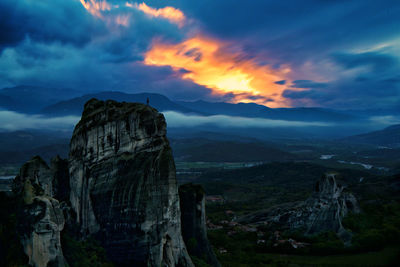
(40, 217)
(123, 184)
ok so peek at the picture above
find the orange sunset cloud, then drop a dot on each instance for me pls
(170, 13)
(95, 7)
(207, 63)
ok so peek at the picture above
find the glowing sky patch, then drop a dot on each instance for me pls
(207, 62)
(172, 14)
(95, 7)
(169, 13)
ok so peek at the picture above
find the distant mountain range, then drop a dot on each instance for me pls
(62, 102)
(75, 105)
(19, 146)
(31, 99)
(227, 143)
(29, 140)
(388, 137)
(53, 102)
(259, 111)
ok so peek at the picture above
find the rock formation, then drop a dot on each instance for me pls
(193, 217)
(123, 184)
(40, 217)
(323, 211)
(118, 186)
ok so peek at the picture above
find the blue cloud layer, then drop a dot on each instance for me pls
(342, 54)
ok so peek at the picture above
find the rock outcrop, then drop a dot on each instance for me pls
(40, 217)
(118, 186)
(193, 217)
(123, 184)
(323, 211)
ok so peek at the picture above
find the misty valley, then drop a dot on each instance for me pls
(269, 198)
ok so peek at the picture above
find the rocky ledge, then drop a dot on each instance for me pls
(323, 211)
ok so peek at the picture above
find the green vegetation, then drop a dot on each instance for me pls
(325, 249)
(11, 251)
(375, 231)
(386, 257)
(83, 253)
(260, 187)
(197, 150)
(376, 227)
(199, 262)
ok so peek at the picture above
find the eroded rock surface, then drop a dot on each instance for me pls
(123, 184)
(323, 211)
(193, 217)
(40, 217)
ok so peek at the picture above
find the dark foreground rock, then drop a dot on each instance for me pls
(194, 231)
(123, 184)
(323, 211)
(40, 217)
(117, 187)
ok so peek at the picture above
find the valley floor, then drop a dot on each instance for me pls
(389, 256)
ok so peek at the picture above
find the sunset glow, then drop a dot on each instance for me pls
(95, 7)
(207, 63)
(170, 13)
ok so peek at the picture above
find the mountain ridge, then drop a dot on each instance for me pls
(389, 136)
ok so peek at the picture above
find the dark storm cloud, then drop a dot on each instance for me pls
(376, 61)
(45, 21)
(307, 84)
(333, 48)
(53, 65)
(59, 43)
(294, 28)
(318, 40)
(128, 43)
(281, 82)
(374, 82)
(68, 22)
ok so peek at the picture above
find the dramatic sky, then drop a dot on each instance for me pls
(328, 53)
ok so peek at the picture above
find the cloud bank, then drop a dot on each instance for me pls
(13, 121)
(176, 119)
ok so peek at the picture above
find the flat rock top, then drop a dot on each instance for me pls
(115, 109)
(97, 112)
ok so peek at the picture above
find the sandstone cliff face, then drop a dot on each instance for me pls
(40, 217)
(193, 217)
(323, 211)
(123, 184)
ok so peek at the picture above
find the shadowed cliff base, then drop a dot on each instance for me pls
(194, 229)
